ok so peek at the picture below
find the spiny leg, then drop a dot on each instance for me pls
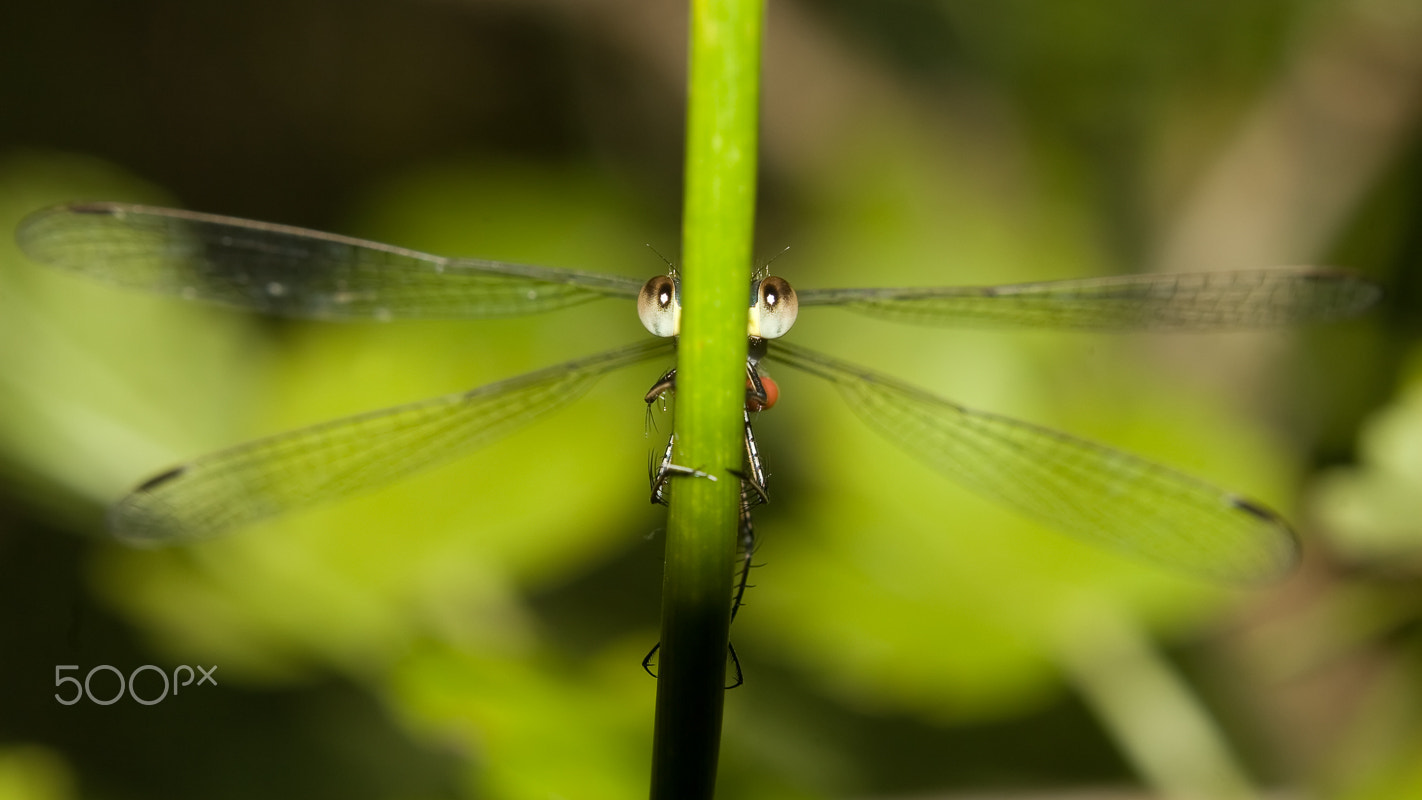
(752, 494)
(661, 477)
(752, 489)
(663, 472)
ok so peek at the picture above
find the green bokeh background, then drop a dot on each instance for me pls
(476, 631)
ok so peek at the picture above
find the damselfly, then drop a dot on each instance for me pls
(1094, 492)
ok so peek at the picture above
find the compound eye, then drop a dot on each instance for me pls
(659, 307)
(775, 308)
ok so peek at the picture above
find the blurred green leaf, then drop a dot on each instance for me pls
(1373, 511)
(34, 773)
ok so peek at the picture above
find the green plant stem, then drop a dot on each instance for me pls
(722, 118)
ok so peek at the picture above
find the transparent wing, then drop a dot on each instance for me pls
(292, 272)
(1090, 491)
(235, 487)
(1183, 301)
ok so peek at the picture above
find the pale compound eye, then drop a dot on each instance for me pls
(775, 308)
(659, 306)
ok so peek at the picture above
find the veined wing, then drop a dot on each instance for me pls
(293, 272)
(1183, 301)
(1093, 492)
(238, 486)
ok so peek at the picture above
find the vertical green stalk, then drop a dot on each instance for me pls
(722, 119)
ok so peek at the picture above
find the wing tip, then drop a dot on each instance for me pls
(1353, 294)
(1280, 560)
(140, 518)
(135, 528)
(36, 233)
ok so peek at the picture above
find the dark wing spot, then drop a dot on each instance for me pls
(161, 478)
(91, 208)
(1253, 508)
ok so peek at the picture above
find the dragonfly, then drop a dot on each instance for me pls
(1091, 491)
